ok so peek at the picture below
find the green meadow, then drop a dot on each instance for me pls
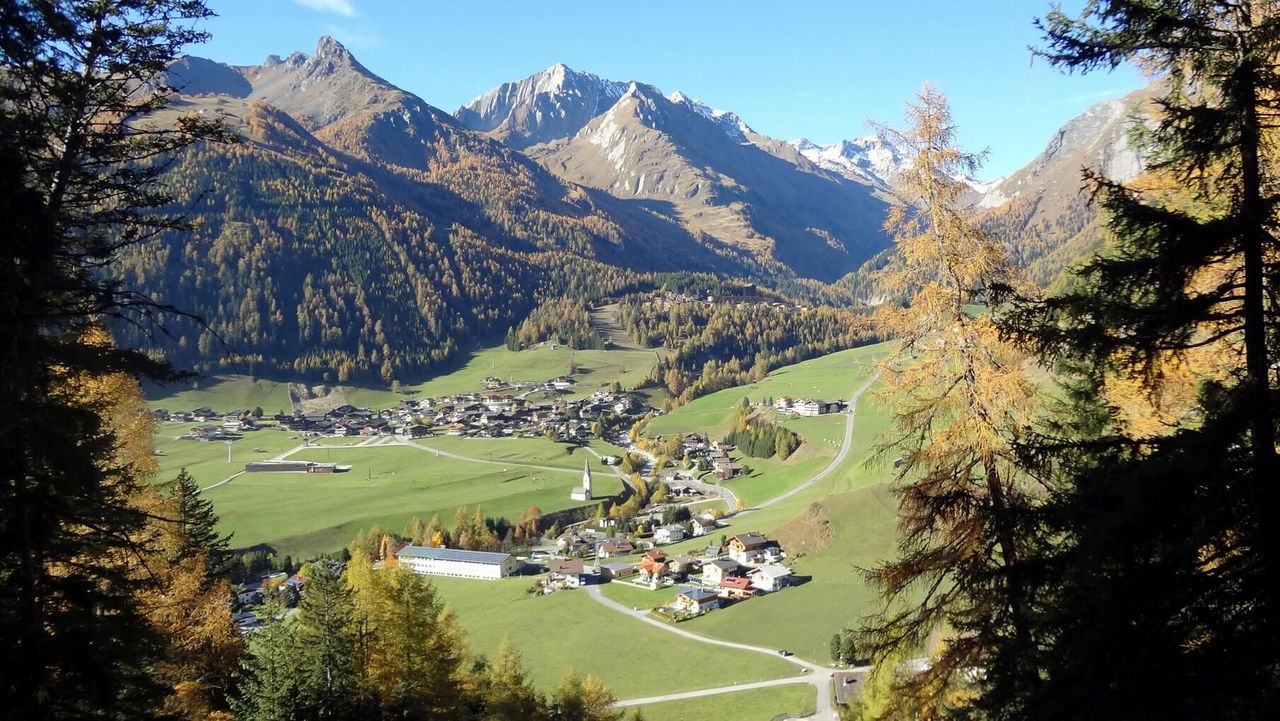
(761, 704)
(307, 513)
(593, 370)
(832, 530)
(570, 630)
(206, 461)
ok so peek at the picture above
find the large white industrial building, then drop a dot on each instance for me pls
(454, 562)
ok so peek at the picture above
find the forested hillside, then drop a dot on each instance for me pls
(345, 243)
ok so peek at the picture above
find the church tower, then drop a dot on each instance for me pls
(583, 492)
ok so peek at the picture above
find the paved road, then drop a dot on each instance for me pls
(818, 676)
(714, 691)
(223, 482)
(835, 462)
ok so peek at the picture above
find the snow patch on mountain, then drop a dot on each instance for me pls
(726, 120)
(868, 158)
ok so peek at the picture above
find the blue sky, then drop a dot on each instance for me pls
(790, 68)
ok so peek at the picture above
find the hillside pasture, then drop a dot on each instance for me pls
(570, 630)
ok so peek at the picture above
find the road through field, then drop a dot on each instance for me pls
(835, 462)
(817, 676)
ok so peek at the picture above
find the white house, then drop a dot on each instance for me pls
(570, 572)
(703, 526)
(770, 577)
(454, 562)
(806, 407)
(668, 534)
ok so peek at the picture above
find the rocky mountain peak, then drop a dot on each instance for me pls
(550, 104)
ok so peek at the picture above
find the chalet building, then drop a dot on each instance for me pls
(770, 577)
(735, 588)
(653, 566)
(617, 570)
(753, 549)
(616, 547)
(668, 534)
(703, 526)
(458, 563)
(696, 600)
(816, 407)
(568, 572)
(715, 571)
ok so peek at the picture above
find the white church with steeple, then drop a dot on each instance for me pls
(583, 492)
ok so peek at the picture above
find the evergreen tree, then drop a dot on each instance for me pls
(185, 597)
(1161, 554)
(77, 185)
(272, 678)
(196, 530)
(330, 686)
(960, 402)
(506, 692)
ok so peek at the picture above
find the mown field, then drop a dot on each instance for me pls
(592, 369)
(207, 460)
(303, 514)
(835, 528)
(569, 630)
(762, 704)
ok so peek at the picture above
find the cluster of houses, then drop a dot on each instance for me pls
(496, 415)
(251, 594)
(716, 453)
(751, 565)
(743, 296)
(590, 543)
(808, 406)
(480, 415)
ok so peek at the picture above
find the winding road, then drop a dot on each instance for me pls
(817, 675)
(835, 463)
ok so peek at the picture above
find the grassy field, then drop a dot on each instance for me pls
(595, 369)
(303, 514)
(833, 594)
(207, 461)
(629, 595)
(223, 393)
(762, 704)
(833, 376)
(568, 629)
(532, 451)
(831, 530)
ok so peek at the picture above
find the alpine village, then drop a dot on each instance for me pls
(589, 401)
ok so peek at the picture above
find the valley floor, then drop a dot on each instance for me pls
(828, 505)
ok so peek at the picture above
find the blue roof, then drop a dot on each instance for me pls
(697, 594)
(453, 554)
